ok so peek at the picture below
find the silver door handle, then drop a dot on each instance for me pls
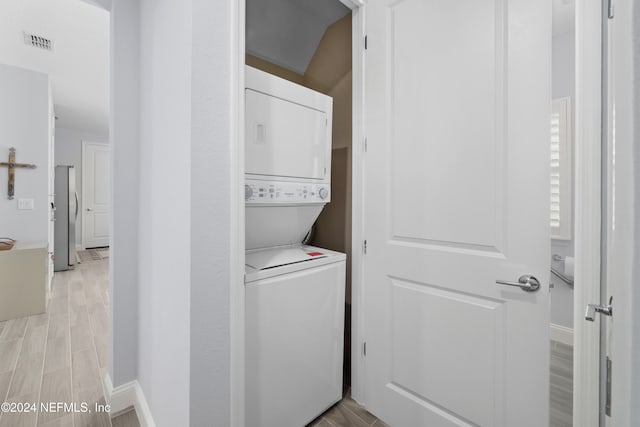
(526, 283)
(592, 309)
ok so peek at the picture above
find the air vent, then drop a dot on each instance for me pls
(38, 41)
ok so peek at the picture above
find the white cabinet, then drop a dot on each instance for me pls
(23, 280)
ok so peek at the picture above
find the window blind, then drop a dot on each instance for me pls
(560, 215)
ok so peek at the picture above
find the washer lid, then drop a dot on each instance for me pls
(271, 258)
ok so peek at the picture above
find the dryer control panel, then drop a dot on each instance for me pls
(281, 192)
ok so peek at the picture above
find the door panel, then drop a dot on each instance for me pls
(457, 101)
(419, 310)
(100, 227)
(448, 110)
(95, 195)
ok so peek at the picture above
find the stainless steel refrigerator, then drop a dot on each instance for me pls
(66, 215)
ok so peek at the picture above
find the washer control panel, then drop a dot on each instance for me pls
(268, 192)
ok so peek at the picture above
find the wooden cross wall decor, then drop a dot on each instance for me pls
(11, 166)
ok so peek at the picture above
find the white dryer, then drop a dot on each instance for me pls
(287, 159)
(294, 293)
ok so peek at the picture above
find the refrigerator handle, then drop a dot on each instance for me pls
(76, 196)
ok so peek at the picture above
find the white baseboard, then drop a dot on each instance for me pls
(561, 334)
(126, 396)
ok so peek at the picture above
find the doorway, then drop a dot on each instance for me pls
(316, 56)
(562, 262)
(359, 362)
(95, 206)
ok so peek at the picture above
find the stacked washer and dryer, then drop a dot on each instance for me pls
(294, 292)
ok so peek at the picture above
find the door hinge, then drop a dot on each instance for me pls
(610, 11)
(364, 348)
(366, 45)
(607, 407)
(365, 145)
(364, 247)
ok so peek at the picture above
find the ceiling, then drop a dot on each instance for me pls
(564, 12)
(287, 32)
(78, 64)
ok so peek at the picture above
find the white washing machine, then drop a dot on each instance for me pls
(294, 333)
(294, 293)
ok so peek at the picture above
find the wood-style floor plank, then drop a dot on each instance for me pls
(58, 354)
(39, 355)
(56, 387)
(85, 372)
(14, 329)
(9, 351)
(58, 326)
(66, 421)
(341, 416)
(561, 385)
(92, 396)
(20, 419)
(126, 419)
(320, 422)
(358, 410)
(5, 380)
(27, 376)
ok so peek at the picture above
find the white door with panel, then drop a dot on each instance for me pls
(457, 107)
(95, 194)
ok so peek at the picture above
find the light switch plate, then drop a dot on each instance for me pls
(25, 204)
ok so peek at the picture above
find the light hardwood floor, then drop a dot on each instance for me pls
(61, 355)
(347, 413)
(561, 383)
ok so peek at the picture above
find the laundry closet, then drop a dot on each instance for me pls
(298, 209)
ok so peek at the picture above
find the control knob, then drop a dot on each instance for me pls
(248, 192)
(323, 193)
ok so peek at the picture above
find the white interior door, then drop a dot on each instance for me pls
(95, 194)
(457, 102)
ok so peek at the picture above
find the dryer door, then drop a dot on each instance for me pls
(284, 139)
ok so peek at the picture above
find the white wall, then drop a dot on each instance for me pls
(563, 85)
(216, 189)
(171, 134)
(24, 108)
(165, 214)
(125, 159)
(69, 152)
